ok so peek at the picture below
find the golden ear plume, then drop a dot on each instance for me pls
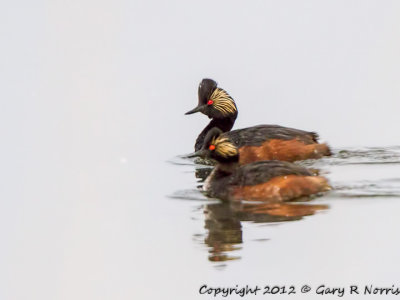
(224, 147)
(223, 102)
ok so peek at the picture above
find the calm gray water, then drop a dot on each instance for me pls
(356, 175)
(346, 236)
(95, 202)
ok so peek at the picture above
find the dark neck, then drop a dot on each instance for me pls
(224, 169)
(225, 125)
(218, 182)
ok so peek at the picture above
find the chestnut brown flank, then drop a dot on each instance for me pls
(286, 150)
(282, 188)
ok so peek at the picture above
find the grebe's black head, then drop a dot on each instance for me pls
(218, 147)
(214, 101)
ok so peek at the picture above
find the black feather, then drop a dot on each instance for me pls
(257, 135)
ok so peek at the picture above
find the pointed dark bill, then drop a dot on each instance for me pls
(194, 110)
(200, 153)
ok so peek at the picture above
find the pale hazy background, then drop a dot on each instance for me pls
(92, 101)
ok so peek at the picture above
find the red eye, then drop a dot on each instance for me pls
(210, 102)
(212, 147)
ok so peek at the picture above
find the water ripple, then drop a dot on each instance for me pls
(359, 156)
(367, 188)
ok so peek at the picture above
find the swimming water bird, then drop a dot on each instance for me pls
(262, 142)
(271, 180)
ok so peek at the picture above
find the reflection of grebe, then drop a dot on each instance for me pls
(262, 180)
(263, 142)
(224, 231)
(223, 222)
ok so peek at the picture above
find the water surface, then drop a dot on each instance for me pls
(360, 174)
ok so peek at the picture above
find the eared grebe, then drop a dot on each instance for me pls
(262, 142)
(271, 180)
